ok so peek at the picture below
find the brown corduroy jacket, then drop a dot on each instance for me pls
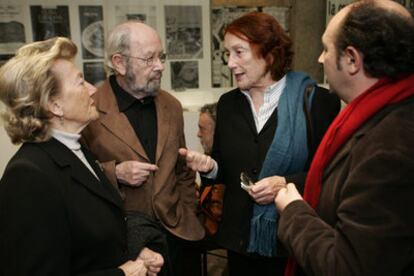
(169, 192)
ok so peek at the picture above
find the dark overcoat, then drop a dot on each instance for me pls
(56, 218)
(364, 223)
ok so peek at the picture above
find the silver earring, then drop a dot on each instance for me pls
(62, 120)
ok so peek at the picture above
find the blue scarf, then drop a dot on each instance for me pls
(287, 154)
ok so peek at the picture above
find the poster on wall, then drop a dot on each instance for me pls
(92, 32)
(94, 72)
(12, 35)
(333, 6)
(281, 14)
(184, 74)
(4, 58)
(183, 33)
(143, 13)
(49, 21)
(220, 18)
(409, 4)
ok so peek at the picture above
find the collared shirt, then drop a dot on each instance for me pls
(270, 101)
(141, 115)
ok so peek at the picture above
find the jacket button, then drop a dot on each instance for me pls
(125, 218)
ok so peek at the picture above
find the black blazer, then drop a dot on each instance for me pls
(56, 218)
(238, 147)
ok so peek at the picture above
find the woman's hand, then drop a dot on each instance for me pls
(152, 260)
(265, 190)
(134, 268)
(286, 196)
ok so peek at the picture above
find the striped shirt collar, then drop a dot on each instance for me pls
(270, 102)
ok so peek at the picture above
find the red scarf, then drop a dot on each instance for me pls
(366, 105)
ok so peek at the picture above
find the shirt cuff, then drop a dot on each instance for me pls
(212, 174)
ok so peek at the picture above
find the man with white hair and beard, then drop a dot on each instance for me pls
(137, 138)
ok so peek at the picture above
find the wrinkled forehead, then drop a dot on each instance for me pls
(145, 41)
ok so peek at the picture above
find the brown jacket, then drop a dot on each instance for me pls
(169, 193)
(364, 223)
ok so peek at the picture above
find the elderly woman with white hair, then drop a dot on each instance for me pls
(59, 214)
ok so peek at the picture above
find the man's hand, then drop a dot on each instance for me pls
(265, 190)
(134, 173)
(286, 196)
(152, 260)
(197, 161)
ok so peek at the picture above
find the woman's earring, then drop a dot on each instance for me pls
(62, 120)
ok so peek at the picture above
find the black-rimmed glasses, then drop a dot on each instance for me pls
(150, 61)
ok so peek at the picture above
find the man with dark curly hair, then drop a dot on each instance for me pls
(356, 214)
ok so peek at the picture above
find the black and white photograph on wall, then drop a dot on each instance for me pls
(92, 32)
(334, 6)
(183, 32)
(94, 72)
(143, 13)
(281, 14)
(184, 74)
(141, 17)
(12, 35)
(220, 17)
(4, 58)
(49, 21)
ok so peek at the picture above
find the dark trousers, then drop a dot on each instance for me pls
(186, 256)
(177, 252)
(193, 253)
(181, 258)
(250, 265)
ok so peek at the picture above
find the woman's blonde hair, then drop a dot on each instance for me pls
(26, 86)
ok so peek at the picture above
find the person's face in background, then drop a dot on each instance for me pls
(188, 73)
(250, 70)
(74, 102)
(142, 78)
(206, 132)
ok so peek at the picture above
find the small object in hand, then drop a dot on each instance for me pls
(246, 182)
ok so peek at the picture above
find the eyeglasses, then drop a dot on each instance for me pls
(150, 61)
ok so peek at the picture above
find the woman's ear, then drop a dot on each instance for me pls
(119, 64)
(55, 107)
(269, 59)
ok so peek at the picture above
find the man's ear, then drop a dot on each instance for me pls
(119, 64)
(353, 60)
(55, 107)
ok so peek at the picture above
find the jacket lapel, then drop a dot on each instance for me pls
(113, 193)
(243, 106)
(341, 154)
(361, 132)
(116, 122)
(70, 163)
(163, 125)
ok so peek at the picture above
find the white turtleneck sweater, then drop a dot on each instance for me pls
(71, 140)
